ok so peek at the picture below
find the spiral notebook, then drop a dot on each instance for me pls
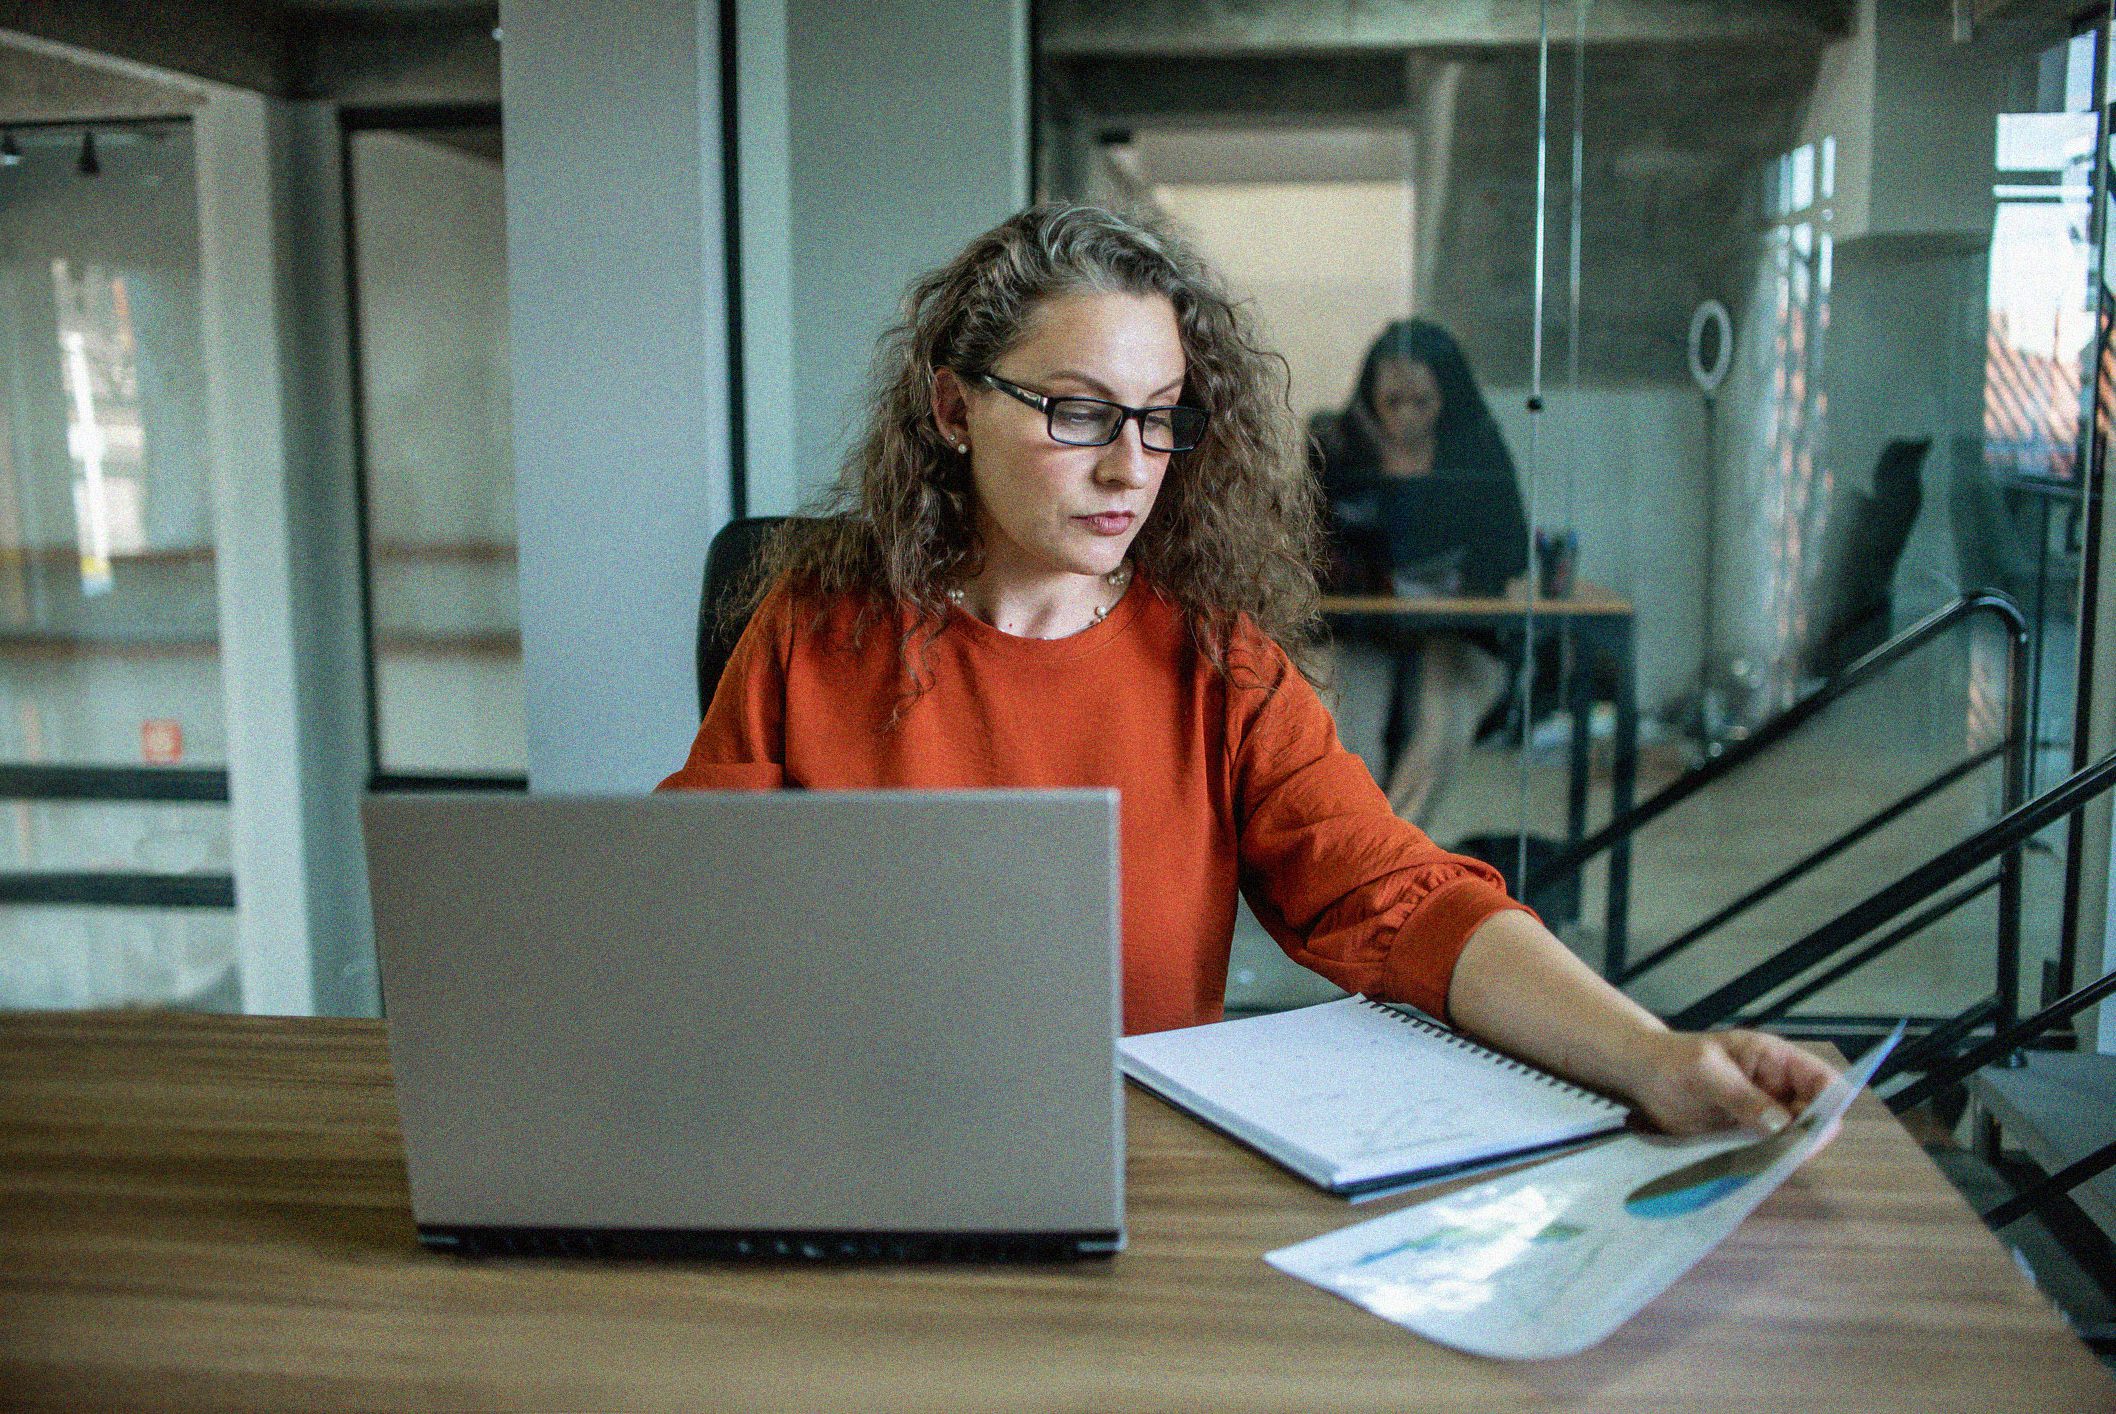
(1357, 1095)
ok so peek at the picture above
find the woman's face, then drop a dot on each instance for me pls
(1406, 401)
(1044, 507)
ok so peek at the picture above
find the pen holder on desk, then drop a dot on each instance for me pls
(1557, 551)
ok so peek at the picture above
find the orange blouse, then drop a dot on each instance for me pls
(1224, 782)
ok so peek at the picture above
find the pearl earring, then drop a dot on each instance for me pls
(962, 446)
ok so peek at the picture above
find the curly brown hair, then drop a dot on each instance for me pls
(1236, 529)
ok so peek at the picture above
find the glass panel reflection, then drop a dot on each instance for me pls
(1898, 229)
(109, 618)
(1901, 424)
(430, 255)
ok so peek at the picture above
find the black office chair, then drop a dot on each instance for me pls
(727, 566)
(1862, 544)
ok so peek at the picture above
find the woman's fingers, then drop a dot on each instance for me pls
(1784, 1071)
(1713, 1080)
(1727, 1086)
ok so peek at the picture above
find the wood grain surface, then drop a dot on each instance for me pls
(210, 1213)
(1587, 600)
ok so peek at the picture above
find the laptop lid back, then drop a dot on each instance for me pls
(793, 1013)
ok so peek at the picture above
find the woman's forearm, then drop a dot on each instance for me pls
(1520, 989)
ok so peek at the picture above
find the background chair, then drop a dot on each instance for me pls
(1861, 547)
(727, 566)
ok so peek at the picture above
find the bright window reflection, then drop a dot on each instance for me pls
(2041, 324)
(104, 436)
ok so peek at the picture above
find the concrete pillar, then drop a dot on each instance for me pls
(619, 333)
(273, 325)
(871, 142)
(907, 133)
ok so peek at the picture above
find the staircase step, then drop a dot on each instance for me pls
(2058, 1107)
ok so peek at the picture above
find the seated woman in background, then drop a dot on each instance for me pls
(1075, 548)
(1423, 501)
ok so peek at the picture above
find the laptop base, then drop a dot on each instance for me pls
(786, 1246)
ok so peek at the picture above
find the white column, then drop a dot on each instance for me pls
(765, 197)
(872, 140)
(272, 291)
(907, 134)
(616, 288)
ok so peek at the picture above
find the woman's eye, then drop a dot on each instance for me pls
(1078, 419)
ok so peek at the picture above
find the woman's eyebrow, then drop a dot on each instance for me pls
(1174, 385)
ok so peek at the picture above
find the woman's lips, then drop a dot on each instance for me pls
(1111, 523)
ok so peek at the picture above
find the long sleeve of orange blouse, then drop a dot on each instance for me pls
(1225, 783)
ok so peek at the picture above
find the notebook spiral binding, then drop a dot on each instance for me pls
(1485, 1053)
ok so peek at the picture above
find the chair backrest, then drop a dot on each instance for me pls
(1861, 547)
(727, 565)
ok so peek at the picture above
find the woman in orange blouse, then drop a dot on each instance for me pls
(1077, 547)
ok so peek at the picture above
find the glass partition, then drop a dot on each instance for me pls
(1782, 316)
(1852, 297)
(109, 620)
(429, 244)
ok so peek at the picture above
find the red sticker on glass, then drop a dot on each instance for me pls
(161, 741)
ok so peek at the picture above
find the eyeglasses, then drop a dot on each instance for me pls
(1093, 422)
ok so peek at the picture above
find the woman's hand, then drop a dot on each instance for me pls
(1519, 988)
(1691, 1082)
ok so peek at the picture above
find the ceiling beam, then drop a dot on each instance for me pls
(383, 59)
(1233, 27)
(239, 43)
(48, 87)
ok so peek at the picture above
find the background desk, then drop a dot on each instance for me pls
(206, 1213)
(1599, 625)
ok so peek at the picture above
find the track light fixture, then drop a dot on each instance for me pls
(88, 166)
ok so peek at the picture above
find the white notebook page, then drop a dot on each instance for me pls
(1361, 1088)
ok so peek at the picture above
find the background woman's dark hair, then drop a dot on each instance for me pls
(1236, 528)
(1466, 438)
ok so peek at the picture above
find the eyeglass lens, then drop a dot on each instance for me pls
(1089, 422)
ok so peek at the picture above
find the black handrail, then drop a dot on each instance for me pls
(2008, 1040)
(1980, 601)
(2063, 1181)
(414, 782)
(1812, 861)
(120, 890)
(155, 785)
(1939, 1041)
(159, 785)
(114, 783)
(2001, 837)
(1886, 943)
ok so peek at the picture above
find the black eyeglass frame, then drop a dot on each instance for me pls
(1047, 404)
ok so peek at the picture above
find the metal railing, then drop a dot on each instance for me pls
(2001, 838)
(1944, 1074)
(161, 785)
(2010, 750)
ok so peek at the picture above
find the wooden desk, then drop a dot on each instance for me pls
(1598, 623)
(206, 1213)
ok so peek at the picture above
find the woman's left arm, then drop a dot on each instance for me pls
(1520, 989)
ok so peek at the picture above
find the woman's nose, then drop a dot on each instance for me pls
(1127, 461)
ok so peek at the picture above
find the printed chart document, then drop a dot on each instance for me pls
(1548, 1260)
(1355, 1095)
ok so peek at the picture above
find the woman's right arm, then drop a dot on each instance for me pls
(741, 744)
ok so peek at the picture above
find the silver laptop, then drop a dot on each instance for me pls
(797, 1024)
